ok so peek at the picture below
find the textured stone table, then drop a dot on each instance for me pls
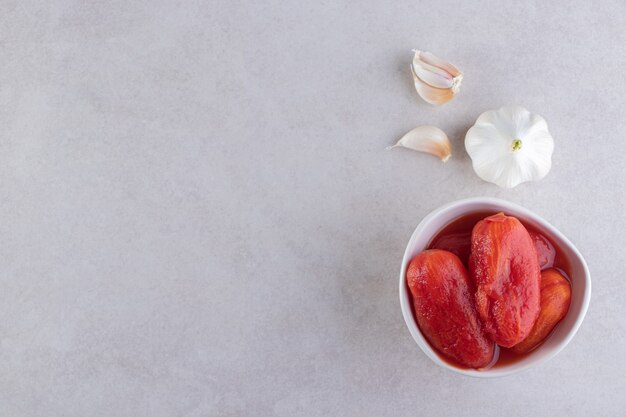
(198, 216)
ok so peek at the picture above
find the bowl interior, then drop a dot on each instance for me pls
(579, 276)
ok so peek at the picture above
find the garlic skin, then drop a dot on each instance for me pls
(510, 146)
(436, 80)
(429, 139)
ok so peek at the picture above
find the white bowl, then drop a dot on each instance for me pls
(579, 276)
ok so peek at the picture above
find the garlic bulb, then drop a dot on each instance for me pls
(510, 146)
(436, 80)
(429, 139)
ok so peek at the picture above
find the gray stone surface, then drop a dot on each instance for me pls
(198, 216)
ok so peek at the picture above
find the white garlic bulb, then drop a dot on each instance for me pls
(429, 139)
(510, 146)
(436, 80)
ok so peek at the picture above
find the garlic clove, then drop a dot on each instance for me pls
(429, 139)
(431, 75)
(436, 80)
(431, 59)
(430, 94)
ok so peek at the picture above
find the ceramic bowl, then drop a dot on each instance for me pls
(579, 276)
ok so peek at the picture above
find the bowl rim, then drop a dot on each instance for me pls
(405, 304)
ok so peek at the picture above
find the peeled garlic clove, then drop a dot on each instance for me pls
(429, 139)
(436, 80)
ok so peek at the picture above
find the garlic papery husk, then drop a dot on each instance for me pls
(429, 139)
(436, 80)
(510, 146)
